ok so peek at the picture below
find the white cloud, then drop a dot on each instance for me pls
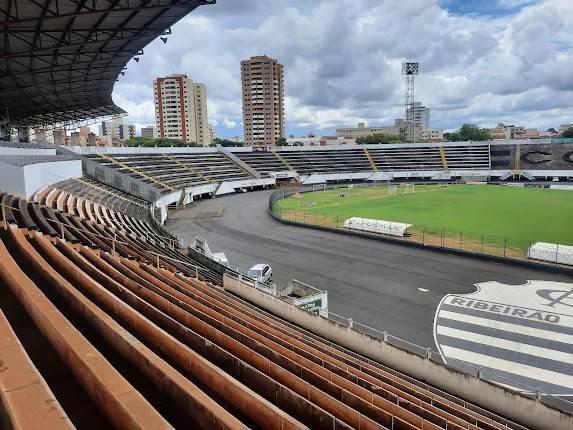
(229, 123)
(342, 61)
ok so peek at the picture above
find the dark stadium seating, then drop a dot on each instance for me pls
(467, 157)
(400, 159)
(101, 194)
(176, 171)
(263, 161)
(321, 162)
(142, 345)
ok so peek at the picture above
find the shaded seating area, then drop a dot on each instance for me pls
(263, 162)
(324, 162)
(175, 171)
(390, 159)
(467, 157)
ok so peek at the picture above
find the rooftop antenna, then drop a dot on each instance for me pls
(409, 71)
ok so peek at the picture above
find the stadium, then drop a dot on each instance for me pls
(115, 313)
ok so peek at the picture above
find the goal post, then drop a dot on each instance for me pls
(318, 187)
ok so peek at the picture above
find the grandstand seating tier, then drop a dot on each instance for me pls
(188, 353)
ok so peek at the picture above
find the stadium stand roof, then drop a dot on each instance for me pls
(59, 59)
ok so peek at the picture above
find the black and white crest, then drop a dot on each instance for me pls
(521, 333)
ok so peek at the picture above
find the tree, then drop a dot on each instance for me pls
(281, 141)
(379, 138)
(452, 137)
(468, 132)
(568, 132)
(226, 143)
(159, 142)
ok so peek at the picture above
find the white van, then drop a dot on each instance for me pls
(261, 272)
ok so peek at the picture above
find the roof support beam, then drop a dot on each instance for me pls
(59, 59)
(178, 4)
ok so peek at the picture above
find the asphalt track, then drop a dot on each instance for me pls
(376, 283)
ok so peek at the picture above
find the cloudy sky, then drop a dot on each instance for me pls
(481, 61)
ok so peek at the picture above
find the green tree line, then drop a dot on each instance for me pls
(468, 132)
(148, 142)
(378, 138)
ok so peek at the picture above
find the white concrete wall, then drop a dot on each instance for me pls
(322, 178)
(515, 407)
(24, 181)
(25, 151)
(118, 150)
(12, 179)
(40, 175)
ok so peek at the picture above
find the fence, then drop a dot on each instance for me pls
(483, 373)
(510, 249)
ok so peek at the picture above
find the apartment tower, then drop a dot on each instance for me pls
(181, 109)
(263, 101)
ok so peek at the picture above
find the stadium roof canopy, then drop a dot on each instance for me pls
(59, 59)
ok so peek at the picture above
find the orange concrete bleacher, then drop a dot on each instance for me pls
(149, 345)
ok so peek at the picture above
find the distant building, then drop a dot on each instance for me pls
(507, 131)
(531, 133)
(303, 141)
(148, 132)
(212, 134)
(361, 130)
(91, 139)
(419, 116)
(59, 136)
(116, 130)
(432, 135)
(82, 137)
(236, 139)
(181, 109)
(263, 101)
(75, 139)
(319, 141)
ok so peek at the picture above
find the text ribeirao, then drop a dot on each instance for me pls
(505, 309)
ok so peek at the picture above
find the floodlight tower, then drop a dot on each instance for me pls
(409, 71)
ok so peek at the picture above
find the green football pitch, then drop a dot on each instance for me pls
(524, 214)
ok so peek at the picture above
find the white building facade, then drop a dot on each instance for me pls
(419, 116)
(116, 131)
(181, 109)
(263, 101)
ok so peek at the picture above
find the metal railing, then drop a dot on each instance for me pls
(480, 372)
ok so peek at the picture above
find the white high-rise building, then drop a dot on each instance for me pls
(419, 116)
(181, 109)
